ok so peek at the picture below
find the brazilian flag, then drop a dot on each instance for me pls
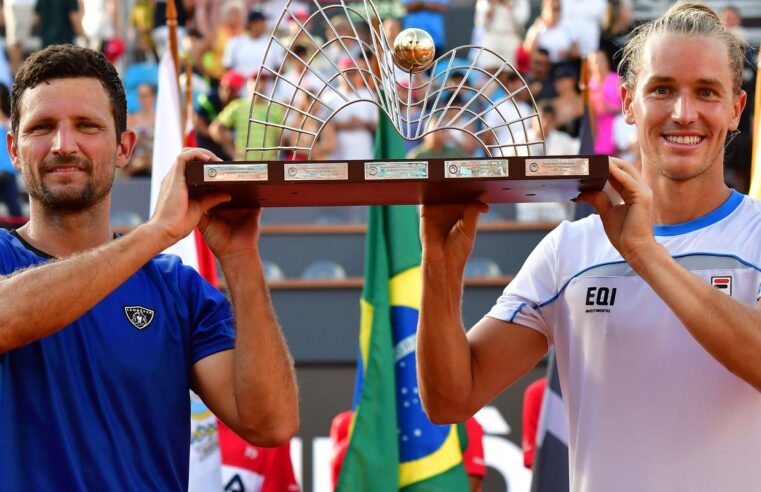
(393, 446)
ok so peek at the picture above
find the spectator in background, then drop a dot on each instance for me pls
(584, 19)
(568, 104)
(296, 73)
(208, 106)
(551, 33)
(9, 194)
(556, 142)
(141, 20)
(244, 53)
(100, 21)
(59, 21)
(540, 78)
(499, 25)
(617, 24)
(356, 123)
(19, 19)
(436, 145)
(605, 100)
(316, 136)
(207, 16)
(731, 18)
(142, 122)
(230, 127)
(532, 409)
(509, 130)
(428, 16)
(233, 18)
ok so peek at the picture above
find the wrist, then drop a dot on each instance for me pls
(646, 256)
(157, 236)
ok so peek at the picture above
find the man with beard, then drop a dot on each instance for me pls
(101, 337)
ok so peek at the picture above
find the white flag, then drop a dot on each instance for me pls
(205, 458)
(167, 143)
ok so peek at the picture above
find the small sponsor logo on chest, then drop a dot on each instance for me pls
(723, 284)
(139, 316)
(600, 299)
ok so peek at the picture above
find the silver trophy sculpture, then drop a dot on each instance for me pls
(305, 82)
(320, 60)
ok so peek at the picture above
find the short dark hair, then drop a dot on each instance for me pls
(5, 100)
(68, 61)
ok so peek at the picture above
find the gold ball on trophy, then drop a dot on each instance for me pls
(414, 50)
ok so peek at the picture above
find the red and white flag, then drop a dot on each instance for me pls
(205, 458)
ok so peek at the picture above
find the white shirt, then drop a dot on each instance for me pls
(649, 409)
(96, 21)
(510, 125)
(245, 54)
(356, 143)
(584, 17)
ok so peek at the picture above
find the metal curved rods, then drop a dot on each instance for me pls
(297, 91)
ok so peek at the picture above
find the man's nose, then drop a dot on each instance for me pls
(684, 110)
(64, 141)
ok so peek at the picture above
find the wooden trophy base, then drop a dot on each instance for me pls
(399, 181)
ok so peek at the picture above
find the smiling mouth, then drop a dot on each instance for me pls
(683, 139)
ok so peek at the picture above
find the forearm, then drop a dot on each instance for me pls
(443, 352)
(266, 395)
(729, 330)
(39, 301)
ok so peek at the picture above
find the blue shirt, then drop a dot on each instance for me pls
(103, 404)
(428, 20)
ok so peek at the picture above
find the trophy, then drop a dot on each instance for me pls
(320, 61)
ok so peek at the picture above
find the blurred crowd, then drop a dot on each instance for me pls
(565, 53)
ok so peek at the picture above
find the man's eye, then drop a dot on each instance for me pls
(661, 91)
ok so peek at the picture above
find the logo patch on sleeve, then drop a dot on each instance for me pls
(724, 284)
(139, 316)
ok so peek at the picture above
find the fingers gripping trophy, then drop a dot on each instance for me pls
(318, 63)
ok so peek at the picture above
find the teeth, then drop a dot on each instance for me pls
(691, 140)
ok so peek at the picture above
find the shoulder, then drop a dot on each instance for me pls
(582, 244)
(746, 218)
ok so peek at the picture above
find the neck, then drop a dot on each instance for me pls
(63, 234)
(675, 201)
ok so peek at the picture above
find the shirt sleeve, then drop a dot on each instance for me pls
(211, 317)
(535, 286)
(227, 115)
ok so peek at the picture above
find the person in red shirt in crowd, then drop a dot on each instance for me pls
(252, 468)
(532, 406)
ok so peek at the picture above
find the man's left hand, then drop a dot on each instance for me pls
(629, 222)
(231, 232)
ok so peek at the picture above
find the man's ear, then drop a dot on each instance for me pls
(627, 97)
(738, 104)
(126, 145)
(10, 144)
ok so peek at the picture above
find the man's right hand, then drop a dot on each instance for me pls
(447, 232)
(176, 214)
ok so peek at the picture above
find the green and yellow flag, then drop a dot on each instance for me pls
(393, 445)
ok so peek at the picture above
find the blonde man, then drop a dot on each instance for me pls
(652, 306)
